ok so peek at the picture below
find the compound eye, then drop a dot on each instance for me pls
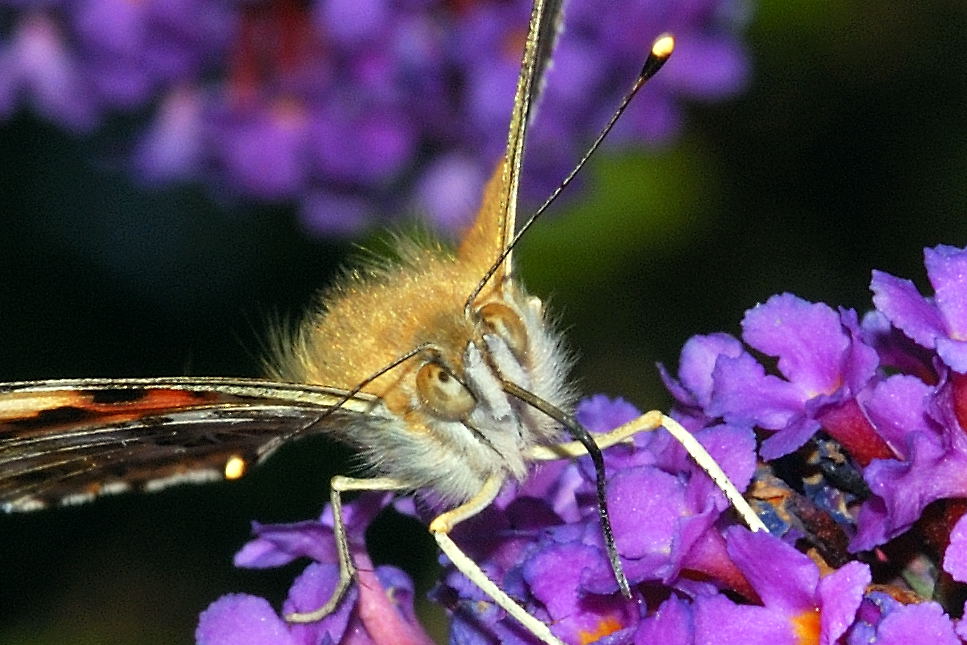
(443, 393)
(504, 321)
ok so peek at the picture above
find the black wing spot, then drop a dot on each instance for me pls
(53, 417)
(119, 395)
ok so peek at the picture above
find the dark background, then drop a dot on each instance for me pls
(848, 152)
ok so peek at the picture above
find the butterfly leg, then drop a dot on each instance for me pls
(646, 423)
(441, 526)
(347, 570)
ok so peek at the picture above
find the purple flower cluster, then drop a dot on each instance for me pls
(860, 475)
(354, 109)
(890, 391)
(378, 609)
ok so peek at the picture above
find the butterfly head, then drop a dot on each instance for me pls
(444, 419)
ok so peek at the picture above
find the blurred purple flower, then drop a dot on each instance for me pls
(172, 148)
(35, 62)
(78, 61)
(399, 108)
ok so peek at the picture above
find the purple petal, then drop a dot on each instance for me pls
(698, 547)
(698, 360)
(240, 619)
(961, 626)
(671, 623)
(790, 438)
(861, 361)
(674, 387)
(744, 393)
(920, 624)
(399, 586)
(279, 544)
(475, 623)
(840, 594)
(9, 81)
(953, 353)
(600, 413)
(895, 348)
(583, 72)
(808, 338)
(119, 82)
(783, 577)
(897, 407)
(381, 143)
(955, 558)
(557, 484)
(873, 526)
(732, 447)
(263, 152)
(656, 119)
(719, 620)
(261, 554)
(385, 143)
(846, 422)
(385, 612)
(40, 58)
(909, 311)
(903, 489)
(116, 28)
(646, 504)
(554, 576)
(947, 270)
(309, 592)
(359, 514)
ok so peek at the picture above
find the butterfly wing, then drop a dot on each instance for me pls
(64, 442)
(496, 221)
(545, 23)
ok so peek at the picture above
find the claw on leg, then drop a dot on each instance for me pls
(347, 569)
(441, 526)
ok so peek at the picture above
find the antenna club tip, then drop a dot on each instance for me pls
(663, 46)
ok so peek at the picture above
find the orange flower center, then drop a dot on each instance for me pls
(607, 625)
(807, 627)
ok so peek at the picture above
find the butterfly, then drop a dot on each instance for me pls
(440, 369)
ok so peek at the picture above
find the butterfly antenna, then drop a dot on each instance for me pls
(661, 50)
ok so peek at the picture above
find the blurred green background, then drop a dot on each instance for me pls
(848, 152)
